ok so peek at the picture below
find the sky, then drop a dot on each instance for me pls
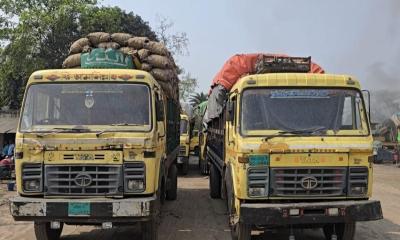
(355, 37)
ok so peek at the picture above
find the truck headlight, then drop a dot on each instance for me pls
(134, 177)
(257, 182)
(135, 185)
(358, 181)
(32, 177)
(256, 191)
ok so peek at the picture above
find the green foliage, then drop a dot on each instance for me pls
(197, 98)
(37, 35)
(187, 86)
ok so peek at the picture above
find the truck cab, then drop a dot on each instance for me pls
(294, 150)
(94, 146)
(184, 148)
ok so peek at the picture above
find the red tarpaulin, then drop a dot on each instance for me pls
(244, 64)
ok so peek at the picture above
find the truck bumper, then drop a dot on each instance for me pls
(101, 209)
(309, 213)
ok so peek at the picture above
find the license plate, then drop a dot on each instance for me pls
(78, 209)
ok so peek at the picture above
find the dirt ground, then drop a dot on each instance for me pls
(195, 216)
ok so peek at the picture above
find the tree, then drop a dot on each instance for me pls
(197, 98)
(187, 86)
(176, 42)
(37, 35)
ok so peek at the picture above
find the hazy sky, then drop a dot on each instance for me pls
(357, 37)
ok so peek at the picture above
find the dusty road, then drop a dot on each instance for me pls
(195, 216)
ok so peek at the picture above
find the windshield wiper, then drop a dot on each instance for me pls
(309, 131)
(116, 124)
(64, 130)
(126, 124)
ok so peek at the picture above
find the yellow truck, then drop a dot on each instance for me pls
(293, 150)
(95, 147)
(184, 148)
(194, 142)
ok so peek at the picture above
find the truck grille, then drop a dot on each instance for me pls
(83, 180)
(298, 182)
(182, 150)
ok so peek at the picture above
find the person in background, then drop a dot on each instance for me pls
(11, 147)
(4, 152)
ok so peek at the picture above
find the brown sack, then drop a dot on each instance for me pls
(78, 45)
(98, 37)
(166, 75)
(158, 61)
(121, 38)
(138, 42)
(143, 54)
(128, 50)
(157, 48)
(113, 45)
(146, 67)
(72, 61)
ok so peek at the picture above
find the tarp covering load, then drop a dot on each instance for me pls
(244, 64)
(257, 63)
(389, 129)
(124, 51)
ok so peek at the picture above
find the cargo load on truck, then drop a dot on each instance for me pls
(122, 50)
(257, 63)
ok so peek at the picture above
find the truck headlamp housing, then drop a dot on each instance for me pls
(32, 177)
(135, 185)
(358, 182)
(32, 185)
(134, 177)
(257, 181)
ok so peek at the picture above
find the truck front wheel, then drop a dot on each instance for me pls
(344, 231)
(149, 230)
(44, 232)
(215, 182)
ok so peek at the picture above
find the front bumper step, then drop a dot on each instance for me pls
(115, 210)
(310, 213)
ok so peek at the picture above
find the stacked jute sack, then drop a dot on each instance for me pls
(149, 56)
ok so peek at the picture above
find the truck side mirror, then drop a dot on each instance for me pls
(367, 100)
(159, 109)
(230, 113)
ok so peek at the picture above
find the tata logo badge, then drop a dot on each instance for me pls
(89, 100)
(83, 180)
(309, 183)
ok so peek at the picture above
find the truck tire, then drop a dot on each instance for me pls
(173, 183)
(44, 232)
(344, 231)
(215, 182)
(203, 167)
(149, 230)
(241, 231)
(185, 166)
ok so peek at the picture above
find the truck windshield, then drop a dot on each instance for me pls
(184, 126)
(95, 105)
(302, 111)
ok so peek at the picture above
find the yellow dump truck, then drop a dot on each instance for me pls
(95, 147)
(184, 148)
(293, 150)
